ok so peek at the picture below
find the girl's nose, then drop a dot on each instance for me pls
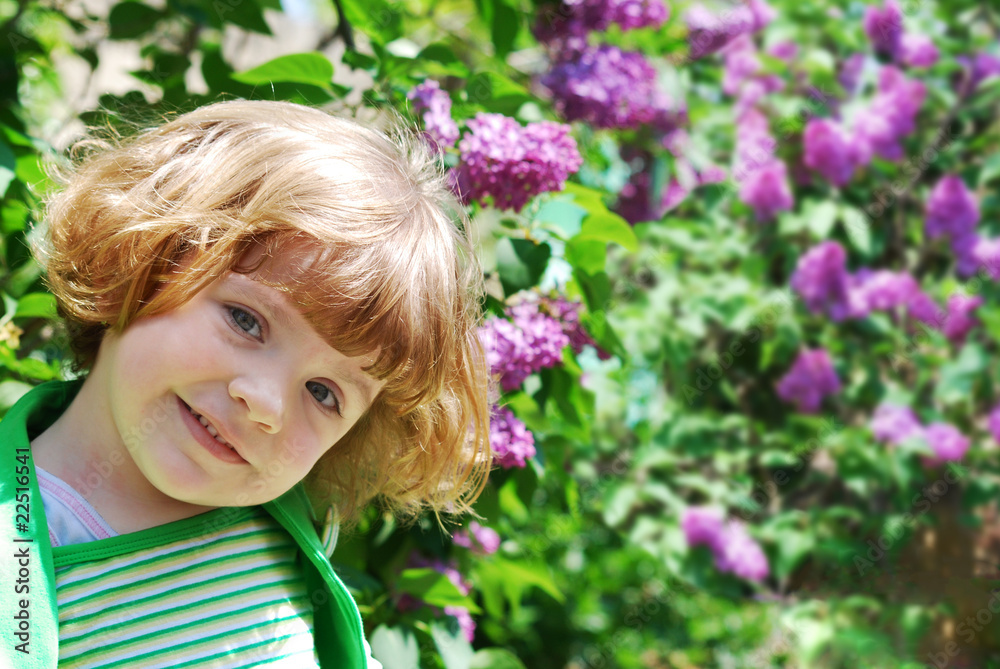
(262, 398)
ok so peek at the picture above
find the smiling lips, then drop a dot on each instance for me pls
(208, 436)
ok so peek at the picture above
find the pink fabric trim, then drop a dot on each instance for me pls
(82, 512)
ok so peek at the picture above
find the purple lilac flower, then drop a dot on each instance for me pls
(510, 163)
(568, 315)
(960, 320)
(882, 290)
(702, 525)
(809, 380)
(709, 31)
(465, 621)
(923, 308)
(786, 51)
(895, 424)
(821, 279)
(947, 442)
(517, 349)
(741, 63)
(610, 88)
(884, 27)
(918, 51)
(830, 150)
(737, 553)
(891, 116)
(481, 540)
(980, 66)
(993, 422)
(986, 254)
(951, 209)
(434, 105)
(850, 72)
(566, 24)
(513, 444)
(966, 260)
(767, 190)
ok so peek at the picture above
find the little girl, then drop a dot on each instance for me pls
(276, 315)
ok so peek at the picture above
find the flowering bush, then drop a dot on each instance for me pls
(742, 262)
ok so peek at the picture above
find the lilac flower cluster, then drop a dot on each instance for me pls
(836, 151)
(763, 177)
(434, 105)
(810, 379)
(831, 150)
(891, 116)
(895, 424)
(734, 549)
(947, 442)
(953, 212)
(565, 25)
(515, 349)
(884, 28)
(481, 540)
(513, 163)
(822, 280)
(610, 88)
(979, 67)
(567, 313)
(512, 443)
(709, 31)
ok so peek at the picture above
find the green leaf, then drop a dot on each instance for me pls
(301, 68)
(956, 378)
(456, 651)
(434, 588)
(609, 227)
(588, 255)
(820, 217)
(8, 166)
(858, 228)
(521, 263)
(11, 391)
(378, 19)
(36, 305)
(132, 19)
(395, 647)
(991, 169)
(495, 658)
(504, 26)
(496, 93)
(246, 14)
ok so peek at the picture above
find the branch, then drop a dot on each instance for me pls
(344, 29)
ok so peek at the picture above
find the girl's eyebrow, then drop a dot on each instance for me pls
(247, 290)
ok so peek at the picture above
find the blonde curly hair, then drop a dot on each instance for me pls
(396, 266)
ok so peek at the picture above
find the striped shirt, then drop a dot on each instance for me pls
(222, 589)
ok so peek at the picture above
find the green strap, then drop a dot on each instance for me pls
(339, 633)
(29, 622)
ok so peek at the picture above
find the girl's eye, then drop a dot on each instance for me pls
(324, 396)
(245, 321)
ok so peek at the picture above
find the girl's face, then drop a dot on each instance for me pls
(239, 357)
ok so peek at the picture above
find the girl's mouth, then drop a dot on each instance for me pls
(208, 436)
